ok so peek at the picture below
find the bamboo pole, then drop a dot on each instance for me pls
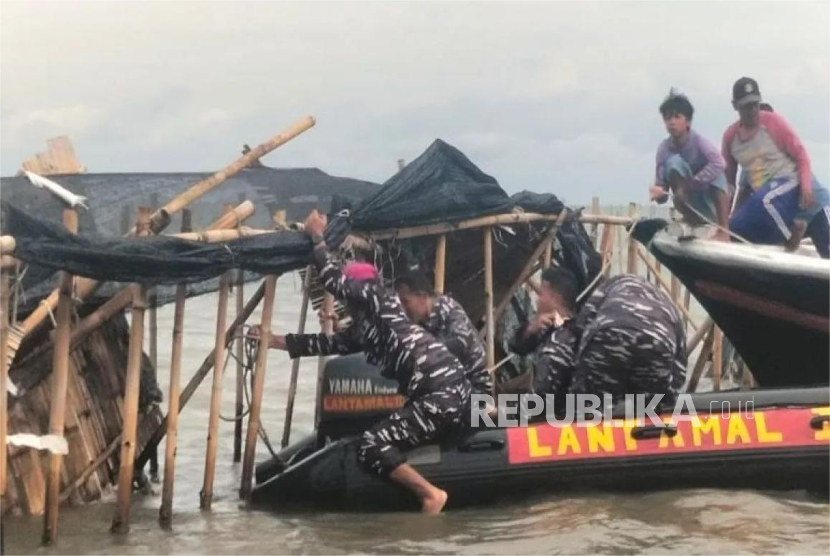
(606, 248)
(218, 236)
(620, 236)
(528, 268)
(201, 373)
(717, 359)
(122, 299)
(487, 221)
(166, 509)
(440, 262)
(154, 360)
(595, 225)
(206, 498)
(84, 288)
(121, 519)
(632, 243)
(259, 384)
(660, 282)
(326, 328)
(60, 383)
(7, 244)
(490, 322)
(4, 376)
(687, 298)
(239, 410)
(699, 335)
(675, 289)
(700, 364)
(295, 364)
(548, 256)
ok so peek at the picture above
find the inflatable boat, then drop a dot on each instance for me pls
(766, 439)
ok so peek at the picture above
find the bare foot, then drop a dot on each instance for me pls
(435, 503)
(721, 235)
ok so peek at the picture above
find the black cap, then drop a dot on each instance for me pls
(745, 91)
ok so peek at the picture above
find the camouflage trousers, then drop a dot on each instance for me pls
(421, 420)
(622, 360)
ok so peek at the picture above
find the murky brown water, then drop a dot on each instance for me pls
(679, 522)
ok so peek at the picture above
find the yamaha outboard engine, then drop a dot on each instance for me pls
(353, 397)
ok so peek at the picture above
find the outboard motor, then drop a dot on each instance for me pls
(353, 397)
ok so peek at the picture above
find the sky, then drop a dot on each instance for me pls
(555, 97)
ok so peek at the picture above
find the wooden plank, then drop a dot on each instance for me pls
(259, 384)
(60, 381)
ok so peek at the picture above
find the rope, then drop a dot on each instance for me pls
(251, 352)
(704, 218)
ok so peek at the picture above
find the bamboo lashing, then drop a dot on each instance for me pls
(206, 498)
(166, 509)
(86, 287)
(259, 384)
(496, 220)
(201, 373)
(60, 382)
(661, 282)
(702, 359)
(440, 262)
(121, 519)
(295, 364)
(490, 322)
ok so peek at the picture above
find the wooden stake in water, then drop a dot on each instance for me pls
(206, 497)
(121, 520)
(327, 328)
(240, 371)
(4, 376)
(259, 385)
(166, 510)
(717, 359)
(60, 383)
(295, 364)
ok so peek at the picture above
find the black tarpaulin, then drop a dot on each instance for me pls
(157, 259)
(441, 185)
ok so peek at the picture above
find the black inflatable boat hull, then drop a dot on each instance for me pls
(782, 442)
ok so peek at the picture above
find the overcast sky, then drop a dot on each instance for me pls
(548, 96)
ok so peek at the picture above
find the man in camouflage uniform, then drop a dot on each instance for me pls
(627, 339)
(430, 377)
(632, 341)
(446, 319)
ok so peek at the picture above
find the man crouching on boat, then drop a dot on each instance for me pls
(431, 378)
(628, 338)
(446, 319)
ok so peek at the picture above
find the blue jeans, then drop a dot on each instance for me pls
(698, 195)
